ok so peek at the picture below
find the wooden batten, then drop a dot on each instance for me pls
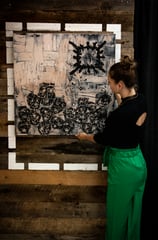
(68, 178)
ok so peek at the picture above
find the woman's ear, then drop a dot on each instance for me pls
(121, 84)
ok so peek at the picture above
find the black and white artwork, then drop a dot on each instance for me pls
(61, 85)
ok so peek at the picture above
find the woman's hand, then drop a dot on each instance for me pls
(118, 98)
(85, 136)
(82, 136)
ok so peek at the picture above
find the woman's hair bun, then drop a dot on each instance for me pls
(128, 63)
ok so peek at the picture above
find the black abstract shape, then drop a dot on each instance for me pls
(58, 105)
(46, 112)
(68, 126)
(24, 127)
(70, 113)
(47, 93)
(33, 100)
(88, 58)
(102, 98)
(44, 128)
(57, 122)
(34, 117)
(88, 128)
(24, 113)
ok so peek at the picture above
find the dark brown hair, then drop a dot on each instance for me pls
(125, 70)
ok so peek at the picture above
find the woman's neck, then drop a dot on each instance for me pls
(126, 92)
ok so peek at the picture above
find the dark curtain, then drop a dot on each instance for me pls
(146, 54)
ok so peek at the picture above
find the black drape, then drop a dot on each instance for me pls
(146, 54)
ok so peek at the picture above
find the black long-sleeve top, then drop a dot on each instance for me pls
(121, 130)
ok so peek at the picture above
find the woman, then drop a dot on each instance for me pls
(126, 165)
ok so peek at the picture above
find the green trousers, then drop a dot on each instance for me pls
(127, 174)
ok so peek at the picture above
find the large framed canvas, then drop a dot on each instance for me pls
(60, 79)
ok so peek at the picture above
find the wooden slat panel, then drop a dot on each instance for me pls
(3, 145)
(42, 209)
(3, 68)
(92, 236)
(53, 5)
(3, 104)
(56, 144)
(98, 16)
(57, 158)
(127, 47)
(70, 178)
(51, 193)
(3, 86)
(68, 5)
(3, 122)
(48, 209)
(3, 51)
(53, 225)
(3, 160)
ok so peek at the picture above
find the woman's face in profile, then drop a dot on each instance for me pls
(113, 85)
